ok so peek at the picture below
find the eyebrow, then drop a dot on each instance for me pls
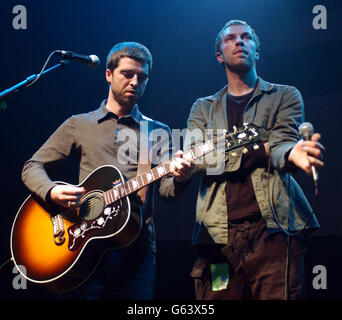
(133, 70)
(140, 73)
(234, 34)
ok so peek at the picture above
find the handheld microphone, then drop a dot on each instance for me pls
(91, 61)
(306, 131)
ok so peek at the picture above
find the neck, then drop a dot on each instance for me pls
(241, 83)
(117, 108)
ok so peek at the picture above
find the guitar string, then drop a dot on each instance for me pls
(126, 184)
(140, 177)
(123, 186)
(93, 201)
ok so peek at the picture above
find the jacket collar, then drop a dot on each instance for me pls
(261, 87)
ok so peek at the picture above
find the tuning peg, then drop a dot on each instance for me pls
(255, 146)
(235, 129)
(244, 150)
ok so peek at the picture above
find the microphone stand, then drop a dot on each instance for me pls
(4, 94)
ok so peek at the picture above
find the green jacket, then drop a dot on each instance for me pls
(278, 110)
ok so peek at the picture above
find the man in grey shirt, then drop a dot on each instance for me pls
(98, 138)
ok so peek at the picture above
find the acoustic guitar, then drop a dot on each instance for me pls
(61, 247)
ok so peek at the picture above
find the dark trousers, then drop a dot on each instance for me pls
(262, 265)
(125, 274)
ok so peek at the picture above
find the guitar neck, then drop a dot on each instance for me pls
(240, 137)
(124, 189)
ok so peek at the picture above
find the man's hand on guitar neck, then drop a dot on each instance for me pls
(181, 167)
(66, 195)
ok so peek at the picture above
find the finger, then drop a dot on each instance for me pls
(188, 156)
(315, 162)
(69, 198)
(312, 151)
(180, 163)
(73, 190)
(316, 137)
(313, 144)
(173, 167)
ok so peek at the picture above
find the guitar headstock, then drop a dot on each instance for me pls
(245, 135)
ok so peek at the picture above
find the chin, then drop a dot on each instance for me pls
(239, 68)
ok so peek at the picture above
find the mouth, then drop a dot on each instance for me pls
(132, 93)
(240, 51)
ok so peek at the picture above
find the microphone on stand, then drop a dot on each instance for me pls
(306, 131)
(92, 61)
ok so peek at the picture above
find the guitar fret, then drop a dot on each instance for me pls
(124, 188)
(142, 182)
(110, 196)
(129, 186)
(105, 198)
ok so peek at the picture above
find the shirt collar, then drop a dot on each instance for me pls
(102, 113)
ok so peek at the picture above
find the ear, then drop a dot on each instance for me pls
(219, 57)
(257, 56)
(108, 75)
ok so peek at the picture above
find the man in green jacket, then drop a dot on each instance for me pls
(251, 215)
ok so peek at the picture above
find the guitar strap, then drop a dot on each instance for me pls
(145, 145)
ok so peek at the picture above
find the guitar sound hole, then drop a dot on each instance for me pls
(92, 206)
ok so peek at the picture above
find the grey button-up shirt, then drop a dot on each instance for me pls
(95, 139)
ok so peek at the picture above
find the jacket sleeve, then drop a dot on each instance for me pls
(48, 159)
(284, 134)
(198, 132)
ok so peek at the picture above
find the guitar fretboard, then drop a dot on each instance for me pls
(124, 189)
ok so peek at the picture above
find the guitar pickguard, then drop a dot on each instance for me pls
(86, 229)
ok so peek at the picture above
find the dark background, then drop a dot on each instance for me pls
(180, 36)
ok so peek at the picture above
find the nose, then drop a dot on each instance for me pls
(239, 40)
(134, 81)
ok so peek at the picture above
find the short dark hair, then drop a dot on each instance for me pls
(133, 50)
(231, 23)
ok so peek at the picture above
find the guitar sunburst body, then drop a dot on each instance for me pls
(64, 259)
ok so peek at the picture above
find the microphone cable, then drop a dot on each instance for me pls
(6, 262)
(43, 68)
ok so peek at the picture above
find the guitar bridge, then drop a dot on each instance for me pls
(58, 230)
